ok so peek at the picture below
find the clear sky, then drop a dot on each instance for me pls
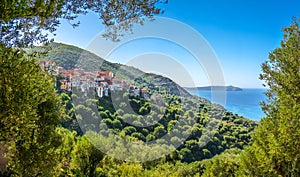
(241, 33)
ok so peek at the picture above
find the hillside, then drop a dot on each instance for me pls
(68, 57)
(206, 129)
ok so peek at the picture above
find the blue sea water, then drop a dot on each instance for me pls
(244, 103)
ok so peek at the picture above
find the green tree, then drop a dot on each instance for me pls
(225, 164)
(65, 150)
(85, 157)
(159, 131)
(276, 142)
(130, 169)
(30, 113)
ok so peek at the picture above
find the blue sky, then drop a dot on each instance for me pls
(241, 33)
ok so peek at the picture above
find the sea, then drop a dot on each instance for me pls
(244, 103)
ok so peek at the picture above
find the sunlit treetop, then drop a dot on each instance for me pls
(26, 22)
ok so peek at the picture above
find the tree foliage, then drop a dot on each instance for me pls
(275, 150)
(22, 22)
(85, 157)
(30, 113)
(224, 165)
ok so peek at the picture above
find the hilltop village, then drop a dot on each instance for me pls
(101, 82)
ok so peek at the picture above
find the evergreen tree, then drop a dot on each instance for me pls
(275, 150)
(30, 113)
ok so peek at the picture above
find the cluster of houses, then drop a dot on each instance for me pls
(102, 82)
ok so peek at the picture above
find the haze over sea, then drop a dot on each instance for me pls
(244, 103)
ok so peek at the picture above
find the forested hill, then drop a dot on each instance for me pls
(209, 128)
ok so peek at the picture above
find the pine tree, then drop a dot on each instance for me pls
(275, 150)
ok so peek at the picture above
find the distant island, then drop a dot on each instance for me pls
(227, 88)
